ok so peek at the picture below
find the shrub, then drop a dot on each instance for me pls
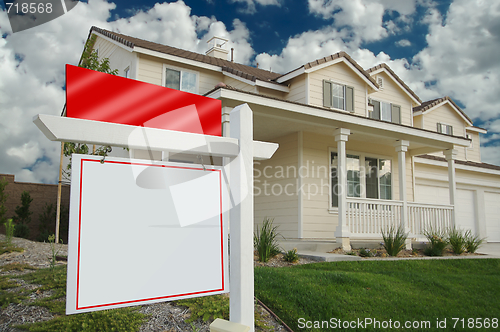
(9, 232)
(291, 256)
(394, 240)
(456, 239)
(365, 253)
(23, 216)
(472, 242)
(265, 242)
(437, 242)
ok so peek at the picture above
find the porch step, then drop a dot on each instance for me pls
(326, 257)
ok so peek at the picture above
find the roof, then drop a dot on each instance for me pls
(462, 162)
(333, 57)
(244, 71)
(432, 103)
(400, 81)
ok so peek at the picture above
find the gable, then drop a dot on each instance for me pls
(446, 114)
(392, 93)
(339, 73)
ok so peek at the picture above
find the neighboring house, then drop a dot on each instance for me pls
(402, 160)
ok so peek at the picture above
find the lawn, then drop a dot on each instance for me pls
(414, 291)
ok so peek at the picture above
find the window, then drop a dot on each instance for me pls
(127, 72)
(385, 111)
(338, 96)
(445, 129)
(374, 182)
(181, 80)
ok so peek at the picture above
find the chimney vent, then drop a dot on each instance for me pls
(217, 48)
(232, 54)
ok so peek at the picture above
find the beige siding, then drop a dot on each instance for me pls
(119, 58)
(151, 71)
(392, 93)
(418, 121)
(297, 89)
(341, 74)
(270, 93)
(237, 84)
(318, 220)
(275, 187)
(474, 152)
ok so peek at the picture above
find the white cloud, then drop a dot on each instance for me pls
(251, 7)
(403, 43)
(34, 85)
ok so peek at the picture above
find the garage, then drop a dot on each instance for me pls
(464, 203)
(492, 214)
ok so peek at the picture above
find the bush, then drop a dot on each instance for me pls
(3, 199)
(437, 242)
(456, 239)
(21, 230)
(23, 216)
(365, 253)
(291, 256)
(394, 240)
(9, 231)
(472, 242)
(264, 240)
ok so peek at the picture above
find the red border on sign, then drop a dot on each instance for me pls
(154, 298)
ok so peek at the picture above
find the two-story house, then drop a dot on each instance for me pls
(403, 161)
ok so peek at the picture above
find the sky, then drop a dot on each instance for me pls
(439, 48)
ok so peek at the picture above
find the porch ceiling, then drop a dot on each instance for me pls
(274, 118)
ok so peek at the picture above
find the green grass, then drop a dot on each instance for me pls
(398, 290)
(6, 248)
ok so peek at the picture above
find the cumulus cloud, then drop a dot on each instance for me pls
(403, 43)
(251, 7)
(32, 67)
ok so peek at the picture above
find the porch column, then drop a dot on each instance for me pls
(401, 148)
(342, 232)
(451, 155)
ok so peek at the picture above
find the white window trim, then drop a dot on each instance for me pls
(125, 72)
(445, 124)
(471, 146)
(362, 174)
(181, 69)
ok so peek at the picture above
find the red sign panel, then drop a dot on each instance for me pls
(93, 95)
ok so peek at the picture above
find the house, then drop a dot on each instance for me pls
(401, 160)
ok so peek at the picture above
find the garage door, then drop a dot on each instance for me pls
(492, 213)
(440, 195)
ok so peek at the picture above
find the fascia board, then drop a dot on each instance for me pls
(457, 166)
(395, 81)
(417, 113)
(292, 74)
(174, 58)
(414, 134)
(477, 130)
(452, 106)
(272, 86)
(114, 42)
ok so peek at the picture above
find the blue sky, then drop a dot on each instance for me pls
(438, 48)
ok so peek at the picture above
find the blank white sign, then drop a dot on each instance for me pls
(143, 232)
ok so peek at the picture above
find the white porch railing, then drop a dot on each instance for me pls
(366, 217)
(424, 217)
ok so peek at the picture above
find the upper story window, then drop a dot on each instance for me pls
(181, 80)
(338, 96)
(385, 111)
(469, 136)
(445, 129)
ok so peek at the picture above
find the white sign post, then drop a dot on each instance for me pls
(240, 148)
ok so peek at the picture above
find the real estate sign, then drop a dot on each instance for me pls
(143, 232)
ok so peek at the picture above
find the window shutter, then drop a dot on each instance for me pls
(396, 113)
(327, 94)
(349, 98)
(376, 109)
(439, 130)
(451, 130)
